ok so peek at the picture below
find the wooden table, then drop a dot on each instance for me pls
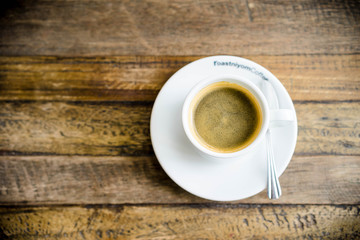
(77, 84)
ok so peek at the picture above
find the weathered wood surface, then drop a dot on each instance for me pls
(39, 180)
(74, 128)
(183, 222)
(131, 78)
(156, 27)
(122, 128)
(77, 84)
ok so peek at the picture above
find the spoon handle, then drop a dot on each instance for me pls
(274, 189)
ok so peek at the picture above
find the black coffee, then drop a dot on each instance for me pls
(226, 116)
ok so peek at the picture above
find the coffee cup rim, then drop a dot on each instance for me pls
(244, 82)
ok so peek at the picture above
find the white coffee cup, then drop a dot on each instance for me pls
(268, 116)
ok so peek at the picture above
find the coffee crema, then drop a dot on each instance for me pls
(225, 117)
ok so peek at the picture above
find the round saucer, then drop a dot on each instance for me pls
(193, 172)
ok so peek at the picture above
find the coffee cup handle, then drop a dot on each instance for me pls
(281, 117)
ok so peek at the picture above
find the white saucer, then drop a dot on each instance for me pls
(185, 166)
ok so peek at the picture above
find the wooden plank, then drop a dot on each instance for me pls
(75, 128)
(121, 128)
(38, 180)
(134, 78)
(328, 128)
(156, 27)
(183, 222)
(87, 79)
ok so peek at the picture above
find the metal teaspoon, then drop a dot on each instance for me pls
(273, 185)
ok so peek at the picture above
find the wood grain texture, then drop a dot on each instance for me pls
(39, 180)
(182, 222)
(77, 83)
(156, 27)
(331, 128)
(74, 128)
(139, 78)
(121, 128)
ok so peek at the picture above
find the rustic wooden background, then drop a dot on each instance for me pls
(77, 84)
